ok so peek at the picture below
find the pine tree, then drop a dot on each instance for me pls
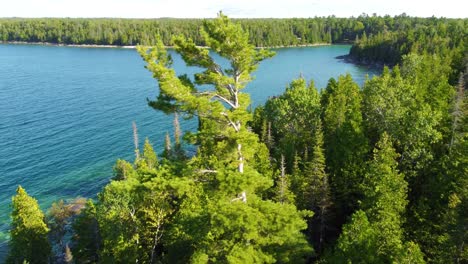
(358, 242)
(317, 192)
(28, 231)
(375, 233)
(149, 155)
(385, 196)
(442, 212)
(345, 143)
(230, 157)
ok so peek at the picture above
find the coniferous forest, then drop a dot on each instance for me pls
(347, 174)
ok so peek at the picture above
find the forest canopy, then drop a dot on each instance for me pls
(265, 32)
(347, 174)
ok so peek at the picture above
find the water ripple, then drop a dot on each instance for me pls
(66, 113)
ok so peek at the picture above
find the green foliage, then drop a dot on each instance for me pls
(86, 237)
(441, 206)
(345, 142)
(233, 224)
(316, 179)
(385, 196)
(28, 231)
(403, 35)
(262, 32)
(374, 235)
(149, 156)
(236, 200)
(405, 106)
(123, 170)
(283, 193)
(263, 231)
(292, 119)
(414, 106)
(317, 193)
(358, 242)
(132, 215)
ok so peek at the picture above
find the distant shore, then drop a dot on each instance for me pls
(298, 46)
(134, 46)
(370, 64)
(66, 45)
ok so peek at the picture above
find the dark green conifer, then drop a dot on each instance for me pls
(28, 232)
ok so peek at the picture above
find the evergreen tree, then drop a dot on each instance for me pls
(358, 242)
(317, 193)
(385, 197)
(345, 143)
(291, 120)
(28, 231)
(133, 213)
(375, 233)
(230, 157)
(123, 170)
(149, 155)
(442, 210)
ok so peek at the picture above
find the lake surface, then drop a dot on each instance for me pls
(66, 113)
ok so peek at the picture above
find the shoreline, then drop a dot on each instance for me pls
(369, 64)
(66, 45)
(134, 46)
(297, 46)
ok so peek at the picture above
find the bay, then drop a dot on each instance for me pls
(66, 113)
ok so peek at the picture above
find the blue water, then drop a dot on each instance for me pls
(66, 113)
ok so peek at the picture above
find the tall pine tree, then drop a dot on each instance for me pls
(230, 165)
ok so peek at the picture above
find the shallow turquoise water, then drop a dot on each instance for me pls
(66, 113)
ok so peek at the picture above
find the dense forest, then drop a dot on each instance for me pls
(401, 32)
(347, 174)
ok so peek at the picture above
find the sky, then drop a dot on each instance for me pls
(233, 8)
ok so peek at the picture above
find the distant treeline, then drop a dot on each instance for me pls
(263, 32)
